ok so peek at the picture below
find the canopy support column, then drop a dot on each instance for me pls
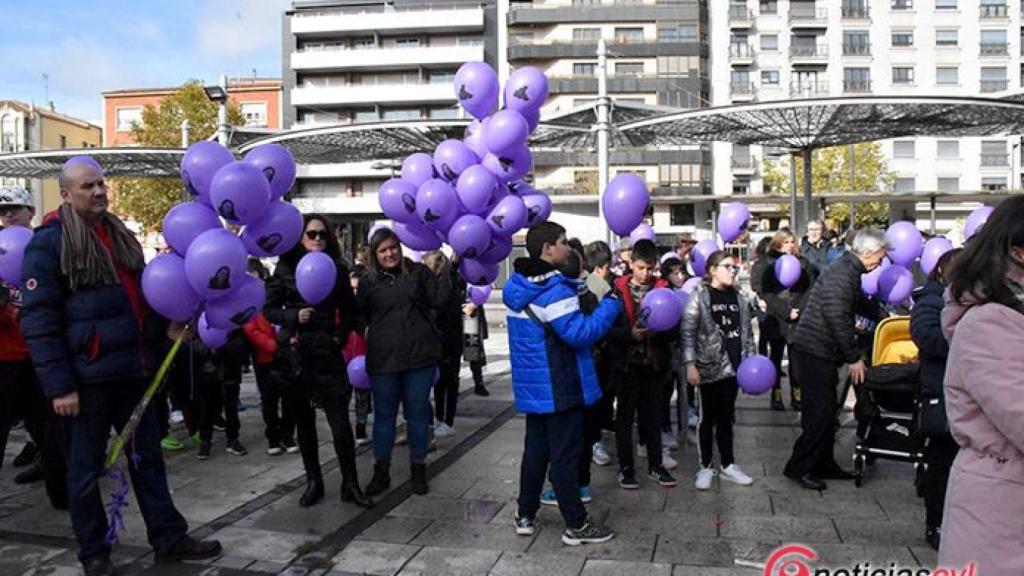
(807, 188)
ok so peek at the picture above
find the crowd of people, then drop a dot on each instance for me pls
(80, 344)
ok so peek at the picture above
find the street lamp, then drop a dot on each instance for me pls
(219, 94)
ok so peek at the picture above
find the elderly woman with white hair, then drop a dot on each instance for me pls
(825, 339)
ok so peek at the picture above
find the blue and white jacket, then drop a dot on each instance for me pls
(552, 368)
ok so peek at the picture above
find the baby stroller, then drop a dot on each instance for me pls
(887, 403)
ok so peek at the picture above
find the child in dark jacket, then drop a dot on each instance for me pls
(220, 383)
(279, 428)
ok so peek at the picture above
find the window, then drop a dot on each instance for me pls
(584, 68)
(741, 186)
(628, 35)
(676, 32)
(629, 68)
(63, 141)
(902, 75)
(8, 129)
(631, 101)
(901, 4)
(683, 215)
(678, 65)
(902, 38)
(683, 175)
(366, 116)
(946, 37)
(856, 79)
(586, 34)
(993, 42)
(993, 79)
(585, 181)
(945, 4)
(993, 153)
(856, 42)
(769, 42)
(949, 149)
(579, 102)
(948, 185)
(947, 75)
(993, 183)
(407, 42)
(904, 185)
(255, 114)
(903, 149)
(445, 77)
(127, 118)
(401, 114)
(444, 113)
(769, 77)
(769, 7)
(364, 43)
(993, 9)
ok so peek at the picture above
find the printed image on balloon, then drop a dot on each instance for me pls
(236, 309)
(397, 200)
(469, 236)
(508, 217)
(215, 262)
(418, 168)
(477, 87)
(497, 250)
(526, 89)
(452, 157)
(200, 163)
(277, 231)
(510, 166)
(239, 192)
(417, 237)
(278, 167)
(733, 220)
(660, 310)
(476, 187)
(437, 204)
(538, 208)
(478, 273)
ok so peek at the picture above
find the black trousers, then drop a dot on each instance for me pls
(553, 441)
(477, 368)
(639, 392)
(813, 451)
(776, 348)
(218, 397)
(592, 419)
(446, 390)
(670, 383)
(939, 454)
(21, 397)
(716, 403)
(333, 395)
(277, 422)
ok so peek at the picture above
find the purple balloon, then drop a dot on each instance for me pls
(733, 220)
(239, 307)
(278, 167)
(200, 163)
(787, 270)
(497, 250)
(418, 168)
(13, 241)
(506, 129)
(895, 284)
(683, 297)
(869, 281)
(437, 205)
(240, 192)
(700, 254)
(510, 165)
(474, 138)
(469, 236)
(526, 89)
(625, 202)
(167, 290)
(538, 208)
(417, 237)
(520, 188)
(215, 263)
(691, 285)
(315, 277)
(452, 158)
(660, 310)
(357, 375)
(212, 337)
(905, 243)
(479, 294)
(532, 118)
(478, 273)
(476, 87)
(977, 219)
(499, 194)
(277, 231)
(398, 200)
(476, 187)
(642, 232)
(933, 250)
(508, 217)
(185, 221)
(756, 375)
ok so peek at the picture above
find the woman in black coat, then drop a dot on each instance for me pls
(783, 314)
(448, 319)
(309, 359)
(397, 300)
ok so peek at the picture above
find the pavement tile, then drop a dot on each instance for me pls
(449, 534)
(433, 561)
(599, 567)
(828, 506)
(22, 558)
(473, 511)
(397, 530)
(717, 552)
(268, 566)
(513, 564)
(787, 529)
(847, 556)
(629, 546)
(377, 558)
(260, 544)
(867, 532)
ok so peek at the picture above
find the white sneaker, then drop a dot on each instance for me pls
(668, 461)
(733, 474)
(668, 440)
(441, 430)
(600, 454)
(641, 451)
(177, 417)
(704, 478)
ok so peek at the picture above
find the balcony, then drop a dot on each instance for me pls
(994, 49)
(806, 16)
(817, 54)
(740, 17)
(814, 89)
(745, 164)
(901, 5)
(384, 58)
(856, 50)
(372, 94)
(856, 13)
(532, 49)
(419, 18)
(856, 86)
(742, 91)
(1001, 160)
(994, 85)
(994, 12)
(741, 53)
(567, 11)
(628, 83)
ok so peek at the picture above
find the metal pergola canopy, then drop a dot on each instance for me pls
(136, 162)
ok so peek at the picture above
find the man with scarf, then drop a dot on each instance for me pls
(92, 336)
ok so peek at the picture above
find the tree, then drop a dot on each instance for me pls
(830, 172)
(147, 199)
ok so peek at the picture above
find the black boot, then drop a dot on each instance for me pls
(381, 480)
(480, 390)
(27, 455)
(419, 478)
(99, 566)
(314, 491)
(777, 403)
(188, 548)
(351, 492)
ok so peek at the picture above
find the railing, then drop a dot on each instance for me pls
(819, 51)
(741, 88)
(994, 85)
(515, 41)
(381, 9)
(901, 4)
(856, 50)
(799, 13)
(856, 13)
(594, 4)
(808, 89)
(994, 49)
(994, 11)
(741, 51)
(744, 162)
(995, 159)
(692, 74)
(740, 14)
(373, 47)
(856, 86)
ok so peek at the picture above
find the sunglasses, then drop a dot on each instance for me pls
(316, 234)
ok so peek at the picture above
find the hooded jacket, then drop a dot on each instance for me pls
(552, 366)
(926, 330)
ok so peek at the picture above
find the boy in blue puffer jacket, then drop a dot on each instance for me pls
(553, 378)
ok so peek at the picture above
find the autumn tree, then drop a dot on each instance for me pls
(830, 172)
(147, 199)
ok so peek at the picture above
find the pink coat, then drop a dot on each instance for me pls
(984, 514)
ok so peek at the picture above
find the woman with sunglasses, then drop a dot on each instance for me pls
(309, 359)
(717, 336)
(397, 300)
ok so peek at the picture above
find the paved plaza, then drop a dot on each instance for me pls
(464, 525)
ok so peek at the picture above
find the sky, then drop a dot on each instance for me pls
(87, 48)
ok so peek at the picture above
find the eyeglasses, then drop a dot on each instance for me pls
(316, 234)
(733, 269)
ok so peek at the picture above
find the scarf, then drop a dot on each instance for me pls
(85, 261)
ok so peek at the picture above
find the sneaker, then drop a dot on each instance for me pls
(274, 450)
(177, 417)
(219, 424)
(600, 454)
(668, 440)
(661, 476)
(242, 407)
(171, 444)
(441, 430)
(589, 533)
(548, 498)
(204, 450)
(668, 461)
(704, 478)
(627, 479)
(641, 451)
(235, 447)
(290, 446)
(524, 526)
(733, 474)
(196, 440)
(585, 495)
(361, 438)
(693, 419)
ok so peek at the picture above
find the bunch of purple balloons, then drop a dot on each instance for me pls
(893, 281)
(469, 193)
(207, 269)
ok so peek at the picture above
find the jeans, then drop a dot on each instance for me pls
(554, 439)
(102, 407)
(717, 401)
(277, 422)
(412, 389)
(446, 390)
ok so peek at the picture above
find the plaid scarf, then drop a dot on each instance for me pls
(1017, 291)
(85, 261)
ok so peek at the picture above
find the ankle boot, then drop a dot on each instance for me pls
(777, 403)
(351, 492)
(381, 480)
(419, 478)
(314, 490)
